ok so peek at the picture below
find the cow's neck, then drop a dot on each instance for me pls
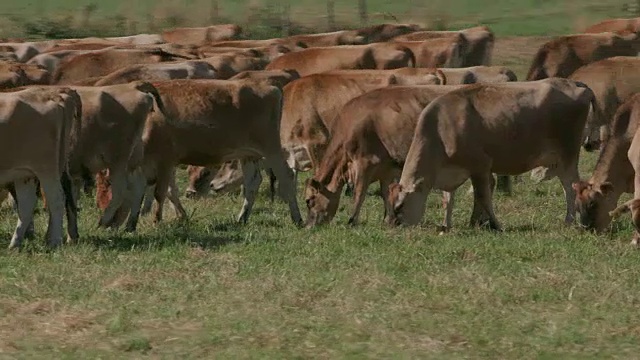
(332, 172)
(613, 166)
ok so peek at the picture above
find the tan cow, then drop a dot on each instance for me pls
(26, 50)
(51, 60)
(201, 35)
(229, 65)
(619, 26)
(613, 81)
(247, 44)
(480, 39)
(615, 170)
(41, 154)
(190, 69)
(312, 102)
(101, 63)
(370, 141)
(440, 52)
(321, 59)
(506, 128)
(140, 39)
(472, 75)
(565, 54)
(335, 38)
(278, 78)
(207, 122)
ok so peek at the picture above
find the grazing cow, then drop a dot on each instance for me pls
(506, 128)
(103, 62)
(618, 26)
(439, 52)
(480, 41)
(371, 139)
(201, 35)
(321, 59)
(615, 171)
(190, 69)
(613, 81)
(229, 65)
(472, 75)
(563, 55)
(312, 102)
(385, 32)
(207, 122)
(41, 154)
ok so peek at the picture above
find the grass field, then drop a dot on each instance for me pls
(208, 288)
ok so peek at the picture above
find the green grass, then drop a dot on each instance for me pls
(506, 17)
(209, 288)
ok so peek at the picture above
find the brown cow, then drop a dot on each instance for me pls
(321, 59)
(258, 43)
(229, 65)
(472, 75)
(507, 128)
(228, 176)
(371, 139)
(103, 62)
(480, 39)
(190, 69)
(613, 174)
(207, 122)
(385, 32)
(613, 81)
(312, 102)
(563, 55)
(335, 38)
(441, 52)
(201, 35)
(42, 153)
(618, 26)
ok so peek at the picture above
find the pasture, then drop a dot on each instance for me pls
(210, 288)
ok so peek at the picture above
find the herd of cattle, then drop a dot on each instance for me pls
(412, 109)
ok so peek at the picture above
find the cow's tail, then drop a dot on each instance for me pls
(594, 112)
(440, 75)
(536, 71)
(148, 88)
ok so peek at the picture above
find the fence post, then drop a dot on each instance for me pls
(331, 15)
(362, 10)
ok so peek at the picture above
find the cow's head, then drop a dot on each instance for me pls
(229, 177)
(322, 203)
(405, 205)
(199, 179)
(593, 203)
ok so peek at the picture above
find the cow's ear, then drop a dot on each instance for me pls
(579, 186)
(606, 188)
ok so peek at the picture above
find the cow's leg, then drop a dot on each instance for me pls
(118, 179)
(174, 197)
(250, 184)
(567, 178)
(24, 192)
(286, 186)
(53, 191)
(362, 180)
(272, 183)
(448, 201)
(160, 191)
(148, 199)
(137, 185)
(505, 184)
(71, 207)
(482, 200)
